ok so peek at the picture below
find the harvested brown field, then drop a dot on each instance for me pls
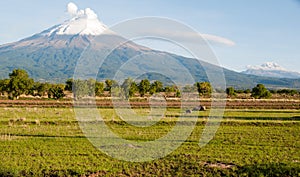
(174, 103)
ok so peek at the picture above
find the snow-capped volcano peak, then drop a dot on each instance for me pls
(272, 66)
(82, 22)
(267, 66)
(271, 69)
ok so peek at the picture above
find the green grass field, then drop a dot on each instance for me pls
(49, 142)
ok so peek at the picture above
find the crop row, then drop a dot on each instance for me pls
(230, 104)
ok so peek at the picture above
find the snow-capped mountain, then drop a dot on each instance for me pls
(83, 22)
(52, 55)
(271, 69)
(78, 31)
(267, 66)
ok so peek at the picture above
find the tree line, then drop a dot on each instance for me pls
(20, 83)
(260, 91)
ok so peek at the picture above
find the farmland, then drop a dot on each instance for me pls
(48, 141)
(174, 103)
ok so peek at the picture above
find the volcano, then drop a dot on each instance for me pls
(272, 69)
(52, 55)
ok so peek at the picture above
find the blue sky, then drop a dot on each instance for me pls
(262, 31)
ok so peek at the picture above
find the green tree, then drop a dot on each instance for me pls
(260, 91)
(204, 88)
(172, 91)
(99, 88)
(129, 87)
(109, 84)
(169, 89)
(155, 87)
(3, 86)
(178, 93)
(90, 86)
(56, 91)
(287, 92)
(40, 89)
(80, 88)
(247, 91)
(144, 87)
(69, 85)
(118, 92)
(133, 89)
(19, 83)
(230, 91)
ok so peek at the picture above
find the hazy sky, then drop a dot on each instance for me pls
(262, 30)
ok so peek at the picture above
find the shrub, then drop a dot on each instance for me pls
(260, 91)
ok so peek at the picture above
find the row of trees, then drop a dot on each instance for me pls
(260, 91)
(20, 83)
(129, 88)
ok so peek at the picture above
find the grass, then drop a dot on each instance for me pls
(248, 143)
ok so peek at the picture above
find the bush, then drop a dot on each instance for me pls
(230, 91)
(56, 92)
(204, 88)
(260, 91)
